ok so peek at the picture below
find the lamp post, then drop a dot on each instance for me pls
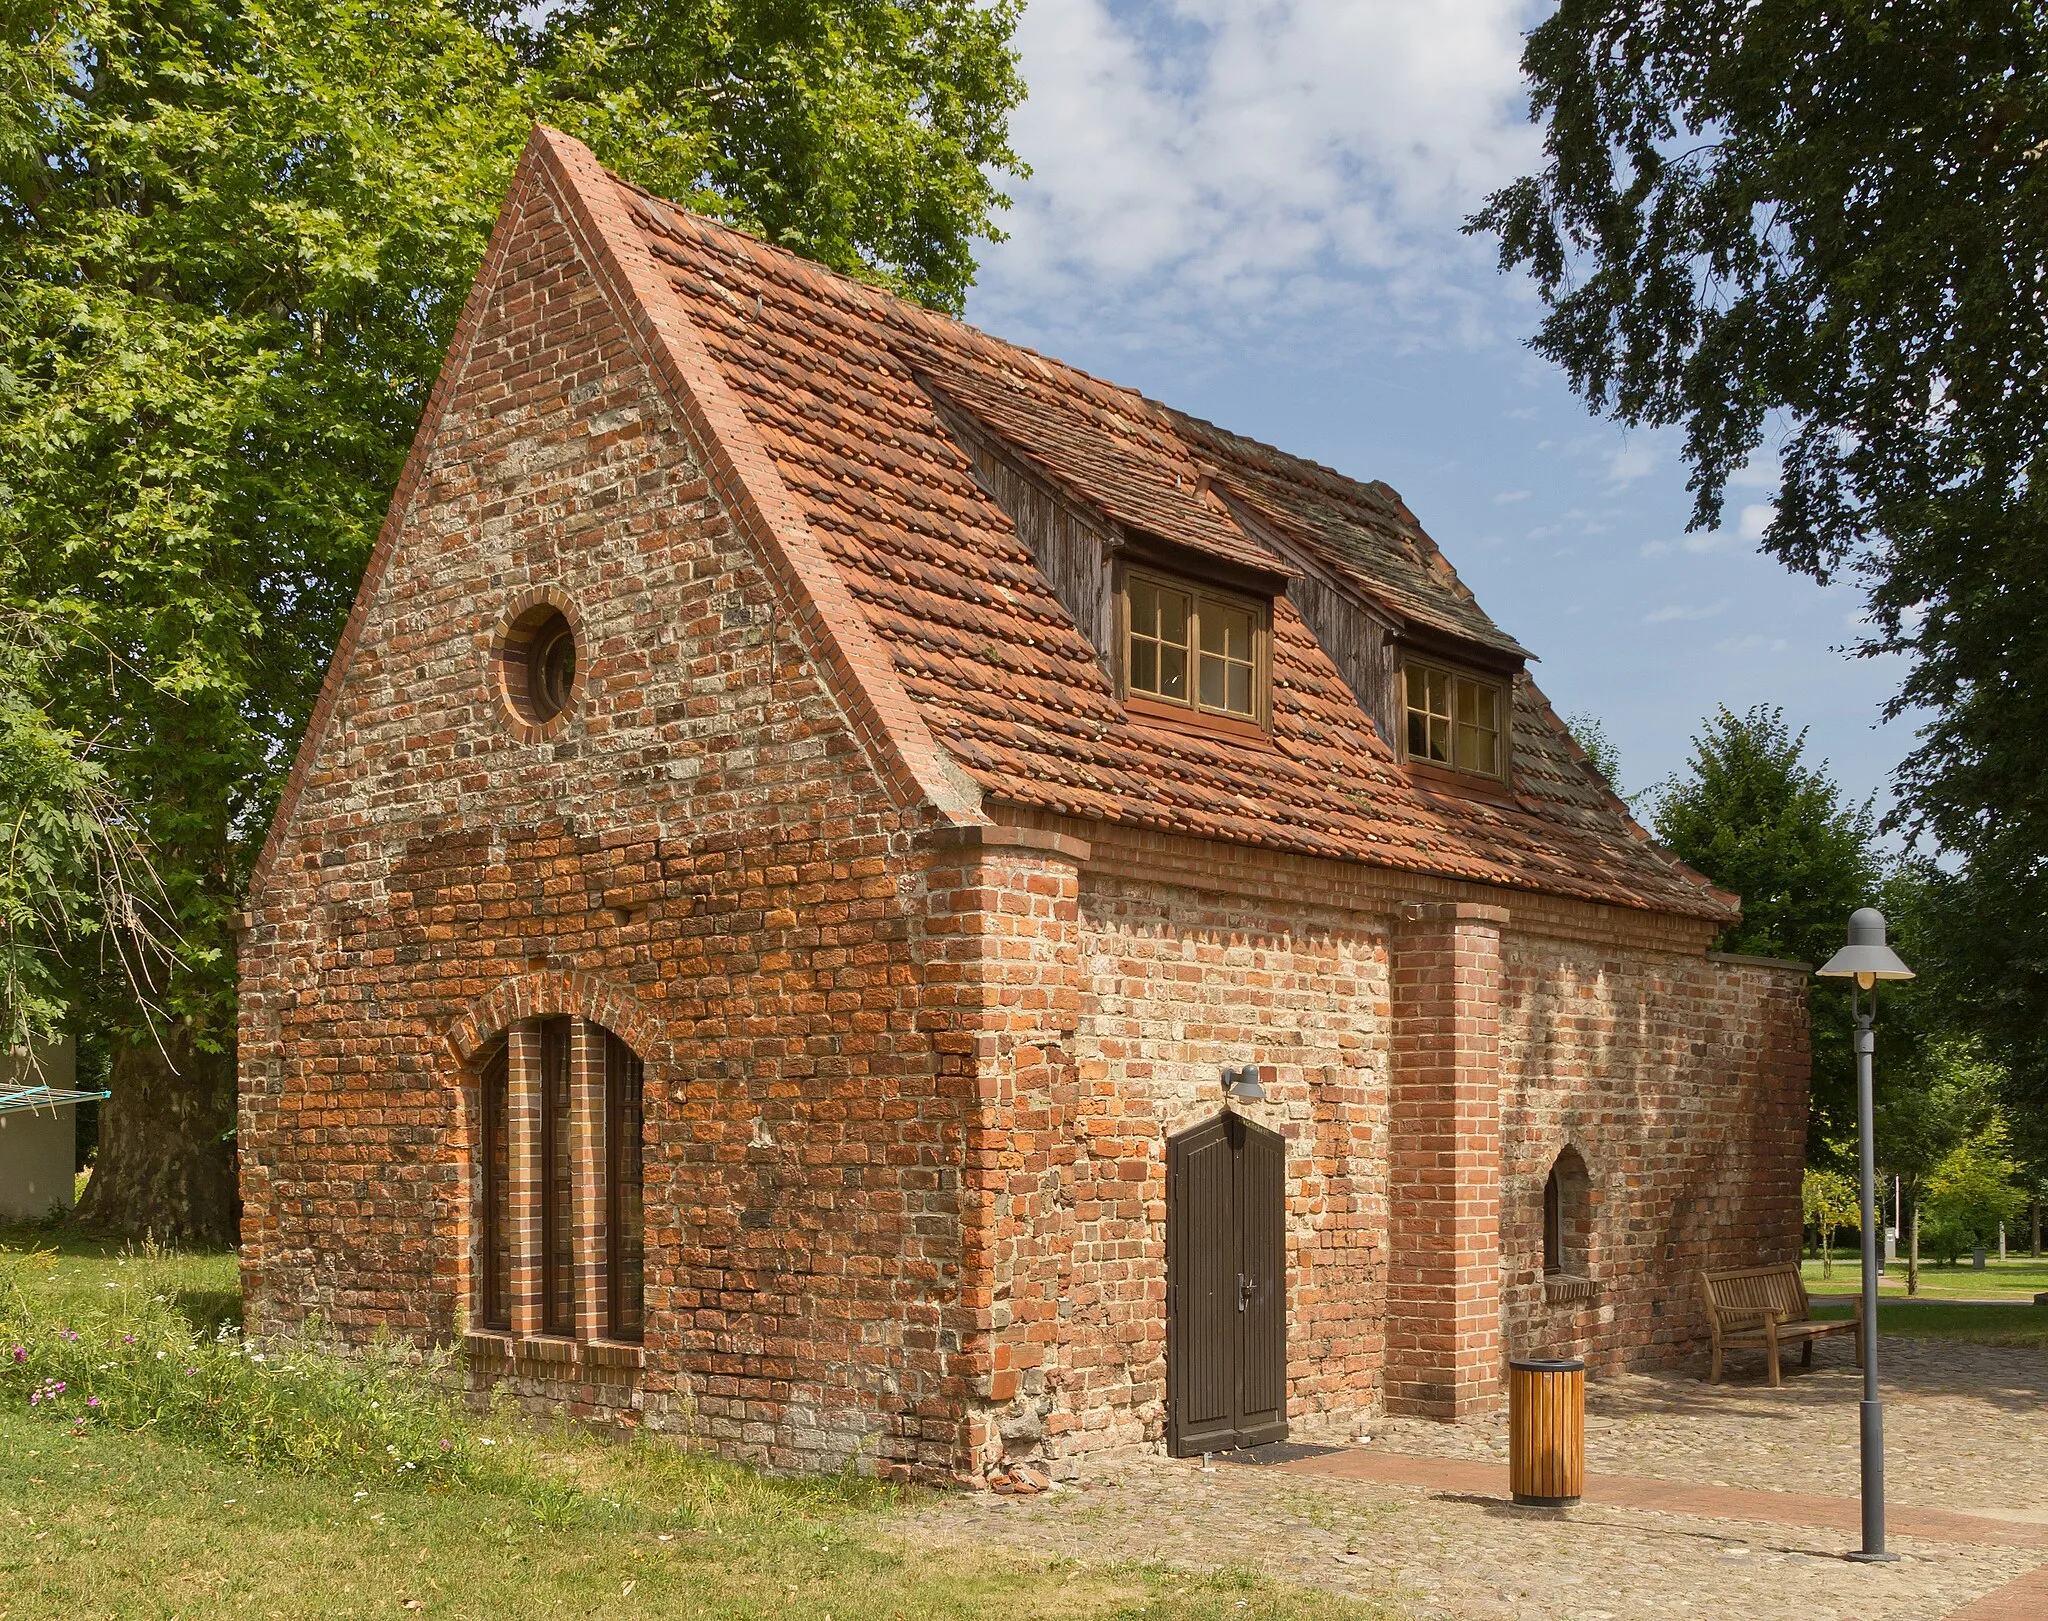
(1864, 961)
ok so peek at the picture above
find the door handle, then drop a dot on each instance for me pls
(1245, 1286)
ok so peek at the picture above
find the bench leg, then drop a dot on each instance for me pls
(1714, 1376)
(1771, 1344)
(1856, 1341)
(1806, 1354)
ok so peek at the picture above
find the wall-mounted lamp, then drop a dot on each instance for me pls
(1242, 1083)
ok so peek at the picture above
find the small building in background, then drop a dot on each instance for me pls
(39, 1131)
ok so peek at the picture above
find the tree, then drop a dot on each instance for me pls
(1827, 224)
(1754, 817)
(1975, 1188)
(1829, 1201)
(1590, 735)
(234, 239)
(1931, 1101)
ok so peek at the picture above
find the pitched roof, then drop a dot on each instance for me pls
(961, 640)
(845, 385)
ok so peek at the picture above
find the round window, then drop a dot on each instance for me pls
(539, 664)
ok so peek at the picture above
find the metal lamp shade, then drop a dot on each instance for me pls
(1866, 957)
(1243, 1084)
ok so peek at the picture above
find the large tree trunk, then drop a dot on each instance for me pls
(166, 1167)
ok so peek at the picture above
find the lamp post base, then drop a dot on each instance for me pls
(1861, 1558)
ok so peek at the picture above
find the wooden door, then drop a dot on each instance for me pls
(1226, 1287)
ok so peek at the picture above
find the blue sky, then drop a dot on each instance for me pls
(1250, 209)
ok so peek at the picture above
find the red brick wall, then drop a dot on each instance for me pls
(1681, 1082)
(699, 857)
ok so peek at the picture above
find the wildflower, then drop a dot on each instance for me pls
(127, 1339)
(21, 1353)
(486, 1440)
(92, 1401)
(446, 1444)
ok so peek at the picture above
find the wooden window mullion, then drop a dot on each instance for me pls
(523, 1117)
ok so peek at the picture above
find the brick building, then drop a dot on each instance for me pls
(855, 892)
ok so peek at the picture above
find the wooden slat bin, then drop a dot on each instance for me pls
(1546, 1431)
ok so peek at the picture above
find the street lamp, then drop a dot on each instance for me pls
(1865, 960)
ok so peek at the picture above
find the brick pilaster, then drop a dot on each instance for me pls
(1003, 996)
(522, 1112)
(1443, 1263)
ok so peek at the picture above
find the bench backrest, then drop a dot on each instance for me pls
(1751, 1291)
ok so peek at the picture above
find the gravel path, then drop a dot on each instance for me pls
(1967, 1431)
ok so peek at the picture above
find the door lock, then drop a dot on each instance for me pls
(1245, 1286)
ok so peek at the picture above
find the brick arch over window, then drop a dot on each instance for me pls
(549, 994)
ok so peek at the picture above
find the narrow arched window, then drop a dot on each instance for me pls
(1567, 1218)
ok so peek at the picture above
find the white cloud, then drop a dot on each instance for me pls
(1694, 545)
(1741, 646)
(1674, 612)
(1507, 496)
(1756, 518)
(1250, 162)
(1631, 462)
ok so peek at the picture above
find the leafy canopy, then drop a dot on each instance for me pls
(1827, 224)
(235, 236)
(1752, 815)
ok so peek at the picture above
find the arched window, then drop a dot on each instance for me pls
(1567, 1218)
(560, 1115)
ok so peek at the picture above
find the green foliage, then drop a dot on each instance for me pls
(1974, 1188)
(72, 879)
(1752, 815)
(861, 135)
(134, 1362)
(1590, 735)
(1829, 1202)
(1831, 220)
(235, 236)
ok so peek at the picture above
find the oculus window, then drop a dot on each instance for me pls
(1454, 720)
(1202, 649)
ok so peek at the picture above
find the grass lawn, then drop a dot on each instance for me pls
(2019, 1279)
(132, 1515)
(1953, 1320)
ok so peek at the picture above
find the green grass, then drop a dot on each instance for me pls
(2020, 1278)
(203, 1498)
(1954, 1320)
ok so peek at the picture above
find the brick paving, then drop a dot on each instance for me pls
(1704, 1501)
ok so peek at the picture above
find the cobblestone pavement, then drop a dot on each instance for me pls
(1967, 1431)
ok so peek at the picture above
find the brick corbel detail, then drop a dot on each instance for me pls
(1002, 997)
(1443, 1265)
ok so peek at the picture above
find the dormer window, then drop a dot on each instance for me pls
(1454, 720)
(1194, 647)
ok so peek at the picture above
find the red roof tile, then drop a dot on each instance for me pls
(845, 386)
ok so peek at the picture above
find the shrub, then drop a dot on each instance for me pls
(134, 1362)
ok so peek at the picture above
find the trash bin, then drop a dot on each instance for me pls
(1546, 1431)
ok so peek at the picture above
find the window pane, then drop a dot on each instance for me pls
(1418, 688)
(1213, 670)
(1476, 750)
(1144, 666)
(1440, 739)
(1241, 689)
(1418, 735)
(1173, 668)
(1144, 608)
(1173, 617)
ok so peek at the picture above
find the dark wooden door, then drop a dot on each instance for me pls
(1226, 1287)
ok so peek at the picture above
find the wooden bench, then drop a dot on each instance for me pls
(1767, 1306)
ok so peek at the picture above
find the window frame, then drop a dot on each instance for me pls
(1454, 675)
(494, 1191)
(625, 1219)
(1258, 720)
